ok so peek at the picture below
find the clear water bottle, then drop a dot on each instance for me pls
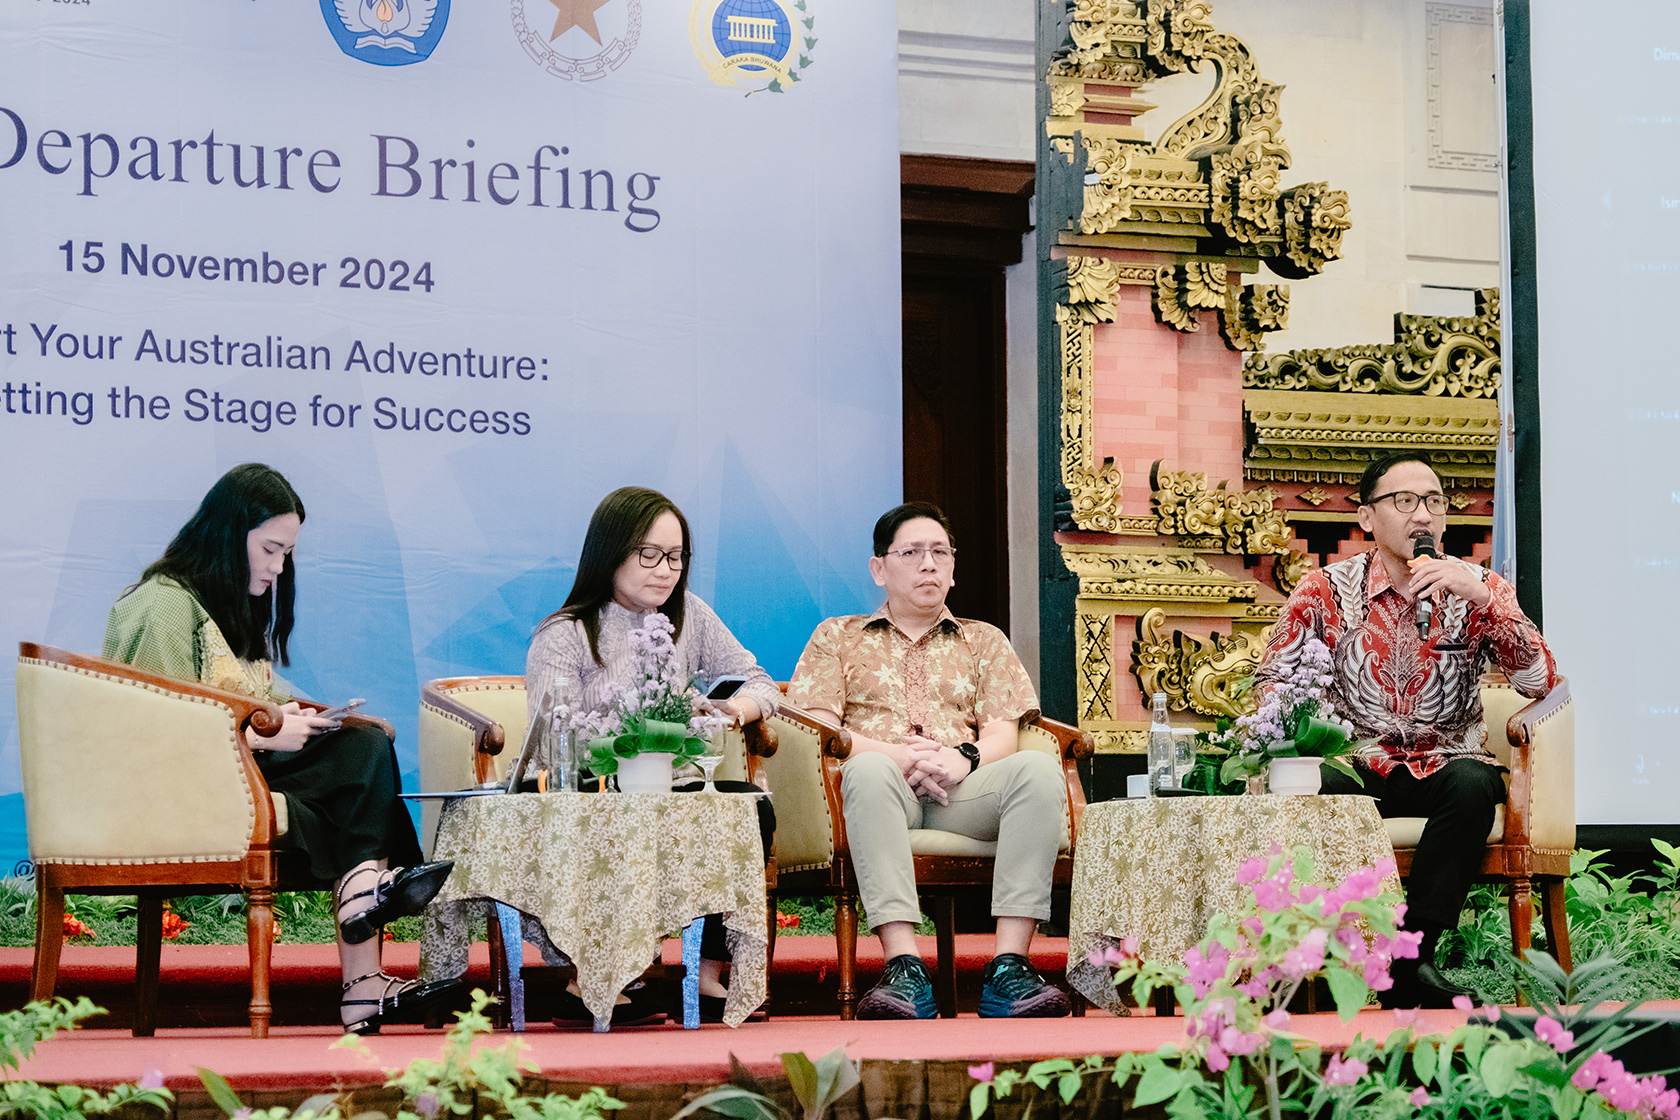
(1161, 747)
(1184, 755)
(561, 748)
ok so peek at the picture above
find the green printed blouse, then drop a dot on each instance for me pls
(160, 627)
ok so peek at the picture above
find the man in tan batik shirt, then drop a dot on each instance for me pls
(935, 704)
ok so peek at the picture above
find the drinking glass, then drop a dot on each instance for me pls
(709, 760)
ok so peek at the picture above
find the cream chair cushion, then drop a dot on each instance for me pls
(1405, 832)
(116, 771)
(804, 829)
(446, 743)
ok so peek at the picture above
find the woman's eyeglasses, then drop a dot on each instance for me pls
(650, 557)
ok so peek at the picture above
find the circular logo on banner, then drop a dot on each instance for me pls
(757, 45)
(386, 32)
(578, 39)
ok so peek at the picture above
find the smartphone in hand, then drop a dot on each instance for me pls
(341, 711)
(723, 688)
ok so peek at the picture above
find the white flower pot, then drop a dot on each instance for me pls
(1294, 775)
(648, 772)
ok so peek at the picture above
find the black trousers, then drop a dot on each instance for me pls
(342, 800)
(1459, 799)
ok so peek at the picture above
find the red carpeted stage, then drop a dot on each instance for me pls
(910, 1069)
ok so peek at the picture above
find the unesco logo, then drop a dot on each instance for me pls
(386, 32)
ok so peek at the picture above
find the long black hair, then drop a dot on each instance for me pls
(210, 558)
(617, 528)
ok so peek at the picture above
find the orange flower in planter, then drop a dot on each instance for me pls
(786, 921)
(173, 924)
(74, 927)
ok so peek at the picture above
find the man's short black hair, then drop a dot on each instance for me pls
(887, 528)
(1373, 473)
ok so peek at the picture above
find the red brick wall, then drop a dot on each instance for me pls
(1160, 393)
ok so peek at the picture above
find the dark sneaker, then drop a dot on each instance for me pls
(1013, 990)
(905, 992)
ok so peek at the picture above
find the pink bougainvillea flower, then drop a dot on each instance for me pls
(1551, 1032)
(1419, 1098)
(1251, 870)
(1206, 970)
(1592, 1070)
(1463, 1003)
(151, 1077)
(1240, 1043)
(1216, 1059)
(983, 1071)
(1492, 1012)
(1278, 1019)
(1404, 1017)
(1307, 956)
(1344, 1072)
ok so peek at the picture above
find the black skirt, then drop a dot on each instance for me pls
(342, 801)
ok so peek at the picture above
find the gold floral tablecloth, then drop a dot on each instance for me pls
(1159, 868)
(608, 876)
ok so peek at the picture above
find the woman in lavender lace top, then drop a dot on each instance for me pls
(635, 561)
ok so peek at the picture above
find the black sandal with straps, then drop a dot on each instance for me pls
(395, 894)
(411, 996)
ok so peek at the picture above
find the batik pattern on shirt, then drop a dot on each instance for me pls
(949, 683)
(1419, 698)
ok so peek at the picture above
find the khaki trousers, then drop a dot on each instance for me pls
(1019, 801)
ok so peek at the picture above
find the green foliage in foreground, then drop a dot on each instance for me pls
(37, 1022)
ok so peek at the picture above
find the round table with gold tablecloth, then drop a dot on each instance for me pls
(608, 876)
(1159, 868)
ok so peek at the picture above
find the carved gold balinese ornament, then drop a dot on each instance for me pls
(1239, 522)
(1197, 674)
(1093, 489)
(1289, 569)
(1436, 356)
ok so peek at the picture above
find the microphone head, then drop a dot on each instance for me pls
(1423, 546)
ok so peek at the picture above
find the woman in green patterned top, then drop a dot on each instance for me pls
(217, 609)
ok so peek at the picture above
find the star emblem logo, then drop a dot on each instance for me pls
(576, 13)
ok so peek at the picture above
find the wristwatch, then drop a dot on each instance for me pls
(970, 751)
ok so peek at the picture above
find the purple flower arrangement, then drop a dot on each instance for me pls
(656, 710)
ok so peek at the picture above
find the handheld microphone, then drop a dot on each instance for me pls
(1424, 546)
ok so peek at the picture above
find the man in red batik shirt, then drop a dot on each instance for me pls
(1419, 698)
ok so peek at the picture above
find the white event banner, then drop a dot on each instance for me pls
(457, 271)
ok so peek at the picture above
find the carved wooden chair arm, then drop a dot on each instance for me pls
(488, 735)
(1519, 729)
(760, 737)
(836, 741)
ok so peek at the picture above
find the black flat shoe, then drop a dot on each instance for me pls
(403, 1005)
(639, 1011)
(395, 895)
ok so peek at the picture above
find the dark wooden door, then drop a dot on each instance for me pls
(954, 427)
(963, 220)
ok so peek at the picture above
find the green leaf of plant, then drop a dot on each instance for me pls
(1349, 991)
(802, 1078)
(735, 1103)
(837, 1075)
(1067, 1086)
(1158, 1083)
(1499, 1067)
(1423, 1060)
(979, 1100)
(220, 1091)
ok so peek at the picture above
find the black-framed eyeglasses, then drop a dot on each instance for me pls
(913, 555)
(650, 556)
(1405, 501)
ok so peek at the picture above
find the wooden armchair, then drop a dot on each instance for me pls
(808, 770)
(1533, 833)
(471, 731)
(135, 783)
